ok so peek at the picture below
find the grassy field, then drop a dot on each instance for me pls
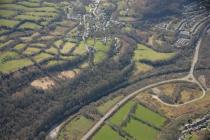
(14, 65)
(41, 56)
(6, 43)
(6, 1)
(30, 26)
(149, 116)
(31, 50)
(140, 131)
(8, 23)
(101, 46)
(58, 43)
(75, 128)
(52, 50)
(121, 114)
(20, 46)
(29, 4)
(7, 56)
(103, 108)
(67, 47)
(80, 49)
(144, 53)
(106, 133)
(141, 68)
(99, 57)
(7, 13)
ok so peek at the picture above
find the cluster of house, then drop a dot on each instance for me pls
(197, 125)
(187, 29)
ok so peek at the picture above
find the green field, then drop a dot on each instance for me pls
(106, 133)
(99, 57)
(29, 4)
(7, 56)
(140, 131)
(42, 56)
(6, 1)
(134, 127)
(31, 50)
(144, 53)
(101, 46)
(8, 23)
(67, 47)
(103, 108)
(52, 50)
(5, 43)
(122, 113)
(29, 9)
(75, 128)
(149, 116)
(14, 65)
(28, 17)
(20, 46)
(7, 13)
(80, 49)
(31, 26)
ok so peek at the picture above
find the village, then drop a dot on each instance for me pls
(194, 126)
(186, 29)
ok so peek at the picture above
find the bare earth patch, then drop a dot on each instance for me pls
(47, 83)
(67, 74)
(43, 83)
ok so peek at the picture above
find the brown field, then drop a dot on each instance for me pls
(174, 112)
(43, 83)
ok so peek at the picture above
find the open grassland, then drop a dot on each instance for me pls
(122, 113)
(104, 107)
(106, 133)
(75, 128)
(144, 53)
(140, 131)
(149, 116)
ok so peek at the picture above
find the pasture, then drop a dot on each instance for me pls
(75, 128)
